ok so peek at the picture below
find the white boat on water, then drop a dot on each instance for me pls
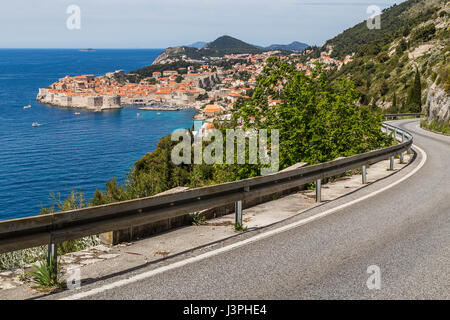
(35, 124)
(27, 107)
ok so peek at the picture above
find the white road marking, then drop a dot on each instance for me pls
(230, 247)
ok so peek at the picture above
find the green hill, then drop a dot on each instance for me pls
(294, 46)
(228, 45)
(393, 22)
(393, 67)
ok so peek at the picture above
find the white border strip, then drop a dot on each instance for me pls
(230, 247)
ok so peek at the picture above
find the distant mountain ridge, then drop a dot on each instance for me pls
(294, 46)
(198, 44)
(222, 46)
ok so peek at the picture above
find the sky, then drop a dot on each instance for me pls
(165, 23)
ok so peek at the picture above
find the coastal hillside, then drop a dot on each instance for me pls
(393, 20)
(402, 66)
(173, 54)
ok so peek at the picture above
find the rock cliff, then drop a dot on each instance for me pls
(438, 105)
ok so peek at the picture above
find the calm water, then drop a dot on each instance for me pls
(68, 151)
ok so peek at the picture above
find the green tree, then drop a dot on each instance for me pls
(179, 79)
(414, 100)
(317, 119)
(374, 106)
(394, 108)
(242, 75)
(425, 33)
(402, 46)
(384, 88)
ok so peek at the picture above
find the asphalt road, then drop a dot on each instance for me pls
(405, 231)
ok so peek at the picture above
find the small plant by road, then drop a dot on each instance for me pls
(239, 227)
(198, 220)
(46, 276)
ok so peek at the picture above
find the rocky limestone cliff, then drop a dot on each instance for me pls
(437, 107)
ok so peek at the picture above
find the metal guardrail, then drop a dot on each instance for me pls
(395, 116)
(58, 227)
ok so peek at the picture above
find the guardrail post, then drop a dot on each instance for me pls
(401, 153)
(318, 190)
(238, 210)
(52, 255)
(364, 174)
(391, 163)
(409, 151)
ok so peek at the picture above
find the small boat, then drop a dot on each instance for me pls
(159, 113)
(35, 124)
(77, 113)
(27, 107)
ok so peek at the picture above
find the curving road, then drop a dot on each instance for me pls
(405, 231)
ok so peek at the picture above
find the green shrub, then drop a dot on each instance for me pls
(198, 220)
(382, 57)
(424, 33)
(441, 127)
(402, 46)
(239, 227)
(46, 276)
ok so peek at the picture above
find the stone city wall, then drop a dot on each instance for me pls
(97, 103)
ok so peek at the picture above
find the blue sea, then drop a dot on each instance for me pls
(68, 151)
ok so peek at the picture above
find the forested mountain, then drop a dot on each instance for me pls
(228, 45)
